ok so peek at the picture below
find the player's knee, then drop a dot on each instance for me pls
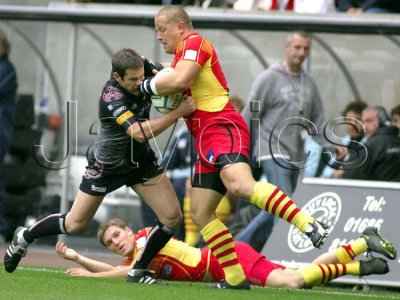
(201, 219)
(293, 280)
(178, 219)
(74, 226)
(240, 189)
(293, 285)
(172, 220)
(195, 217)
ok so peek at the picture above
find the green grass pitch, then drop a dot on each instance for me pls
(43, 284)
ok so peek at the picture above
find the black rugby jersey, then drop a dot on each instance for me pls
(118, 109)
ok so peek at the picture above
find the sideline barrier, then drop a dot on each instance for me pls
(348, 207)
(217, 18)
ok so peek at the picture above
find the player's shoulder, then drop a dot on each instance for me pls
(197, 39)
(111, 92)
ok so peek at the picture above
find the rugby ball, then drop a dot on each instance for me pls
(166, 103)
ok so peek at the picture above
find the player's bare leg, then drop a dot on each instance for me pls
(239, 181)
(169, 216)
(82, 211)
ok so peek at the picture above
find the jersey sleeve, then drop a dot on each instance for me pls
(139, 241)
(197, 49)
(116, 105)
(141, 238)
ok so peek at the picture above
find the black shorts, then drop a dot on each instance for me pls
(213, 180)
(99, 180)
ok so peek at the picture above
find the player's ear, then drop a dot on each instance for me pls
(116, 76)
(181, 27)
(127, 229)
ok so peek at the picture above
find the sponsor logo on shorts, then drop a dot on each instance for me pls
(325, 207)
(94, 172)
(166, 271)
(100, 189)
(210, 156)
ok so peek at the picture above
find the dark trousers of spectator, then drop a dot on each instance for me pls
(4, 227)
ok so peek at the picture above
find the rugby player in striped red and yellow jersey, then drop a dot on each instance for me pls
(222, 141)
(179, 261)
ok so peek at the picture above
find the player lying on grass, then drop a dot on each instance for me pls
(179, 261)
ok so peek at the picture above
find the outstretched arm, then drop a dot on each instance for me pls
(91, 267)
(88, 263)
(120, 271)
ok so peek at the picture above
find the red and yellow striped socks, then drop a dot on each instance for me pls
(270, 198)
(347, 253)
(322, 273)
(219, 240)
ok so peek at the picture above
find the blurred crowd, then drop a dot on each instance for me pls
(299, 6)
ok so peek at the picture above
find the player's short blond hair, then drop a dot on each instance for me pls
(104, 226)
(175, 14)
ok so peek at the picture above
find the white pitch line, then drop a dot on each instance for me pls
(41, 269)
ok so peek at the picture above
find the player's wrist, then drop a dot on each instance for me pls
(148, 86)
(79, 259)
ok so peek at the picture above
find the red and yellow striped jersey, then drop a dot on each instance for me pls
(179, 261)
(176, 261)
(210, 88)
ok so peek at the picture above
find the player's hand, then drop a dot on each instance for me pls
(79, 272)
(151, 68)
(187, 106)
(65, 252)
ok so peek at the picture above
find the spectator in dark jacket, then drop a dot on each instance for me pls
(369, 6)
(8, 95)
(395, 115)
(382, 150)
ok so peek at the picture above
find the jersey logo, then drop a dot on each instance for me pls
(111, 94)
(119, 110)
(190, 55)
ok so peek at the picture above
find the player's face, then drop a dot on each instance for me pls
(371, 122)
(168, 33)
(297, 50)
(118, 240)
(131, 80)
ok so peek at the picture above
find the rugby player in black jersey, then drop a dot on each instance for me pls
(121, 156)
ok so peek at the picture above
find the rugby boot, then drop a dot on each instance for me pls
(142, 276)
(376, 243)
(374, 265)
(15, 251)
(244, 285)
(317, 232)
